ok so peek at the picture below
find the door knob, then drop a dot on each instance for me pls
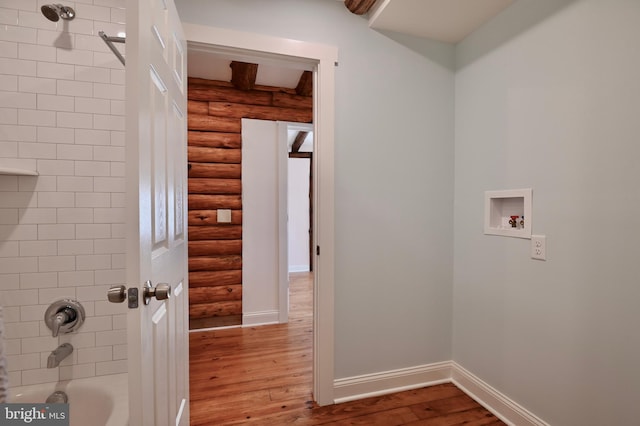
(117, 294)
(161, 292)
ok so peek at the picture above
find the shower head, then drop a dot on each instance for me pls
(54, 12)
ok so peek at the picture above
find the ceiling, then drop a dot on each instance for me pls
(449, 21)
(443, 20)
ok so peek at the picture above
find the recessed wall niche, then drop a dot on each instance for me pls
(508, 213)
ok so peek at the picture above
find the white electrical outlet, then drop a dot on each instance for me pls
(539, 247)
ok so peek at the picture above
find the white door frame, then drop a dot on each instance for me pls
(325, 58)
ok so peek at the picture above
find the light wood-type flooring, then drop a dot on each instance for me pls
(262, 375)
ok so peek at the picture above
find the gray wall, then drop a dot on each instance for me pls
(394, 181)
(554, 108)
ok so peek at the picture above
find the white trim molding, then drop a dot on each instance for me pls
(250, 319)
(375, 384)
(493, 400)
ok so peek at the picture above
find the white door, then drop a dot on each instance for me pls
(156, 218)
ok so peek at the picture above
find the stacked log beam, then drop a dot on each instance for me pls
(215, 110)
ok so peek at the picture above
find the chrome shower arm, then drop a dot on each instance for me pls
(109, 40)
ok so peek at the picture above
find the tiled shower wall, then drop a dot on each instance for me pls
(62, 232)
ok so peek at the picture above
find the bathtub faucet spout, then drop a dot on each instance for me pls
(61, 352)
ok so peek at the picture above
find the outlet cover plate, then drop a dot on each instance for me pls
(539, 247)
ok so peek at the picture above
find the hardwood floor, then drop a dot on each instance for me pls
(262, 375)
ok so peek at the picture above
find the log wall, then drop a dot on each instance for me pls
(215, 110)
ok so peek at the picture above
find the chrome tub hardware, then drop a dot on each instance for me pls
(58, 397)
(60, 353)
(64, 316)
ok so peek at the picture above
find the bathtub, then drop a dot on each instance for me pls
(95, 401)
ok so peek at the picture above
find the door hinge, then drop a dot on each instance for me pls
(317, 250)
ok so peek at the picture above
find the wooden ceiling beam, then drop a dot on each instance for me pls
(243, 75)
(299, 140)
(305, 84)
(359, 7)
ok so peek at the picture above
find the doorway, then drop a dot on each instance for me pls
(323, 59)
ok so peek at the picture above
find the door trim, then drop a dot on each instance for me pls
(324, 59)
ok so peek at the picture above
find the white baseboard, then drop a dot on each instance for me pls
(499, 404)
(375, 384)
(368, 385)
(260, 318)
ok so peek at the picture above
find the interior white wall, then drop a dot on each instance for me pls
(61, 233)
(393, 180)
(298, 208)
(556, 109)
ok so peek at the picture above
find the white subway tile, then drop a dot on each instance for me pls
(75, 278)
(92, 105)
(118, 15)
(36, 183)
(111, 367)
(32, 117)
(77, 371)
(23, 362)
(9, 183)
(75, 215)
(18, 265)
(109, 246)
(11, 314)
(107, 60)
(18, 100)
(8, 216)
(92, 168)
(108, 122)
(18, 232)
(92, 200)
(99, 323)
(9, 49)
(75, 120)
(56, 232)
(18, 34)
(107, 308)
(38, 248)
(97, 13)
(20, 330)
(81, 26)
(57, 71)
(9, 248)
(117, 138)
(56, 263)
(80, 339)
(110, 215)
(29, 5)
(74, 247)
(118, 230)
(109, 184)
(56, 167)
(37, 344)
(75, 88)
(73, 183)
(117, 200)
(98, 354)
(118, 169)
(8, 150)
(18, 133)
(8, 16)
(41, 375)
(119, 322)
(55, 135)
(37, 150)
(94, 293)
(39, 280)
(15, 378)
(92, 262)
(56, 103)
(36, 53)
(110, 276)
(92, 231)
(8, 82)
(56, 199)
(92, 74)
(118, 77)
(74, 152)
(120, 352)
(35, 215)
(108, 91)
(33, 19)
(9, 282)
(117, 107)
(111, 337)
(92, 137)
(32, 312)
(75, 57)
(13, 346)
(47, 296)
(8, 116)
(91, 42)
(63, 40)
(36, 85)
(111, 3)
